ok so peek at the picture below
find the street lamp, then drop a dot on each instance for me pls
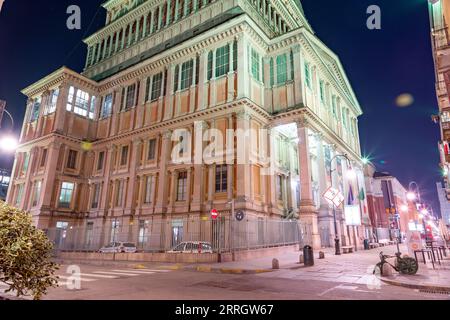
(8, 142)
(350, 174)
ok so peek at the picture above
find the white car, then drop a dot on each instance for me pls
(193, 247)
(119, 247)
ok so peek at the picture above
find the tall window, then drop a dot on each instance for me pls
(65, 196)
(51, 103)
(148, 189)
(96, 196)
(221, 178)
(222, 60)
(280, 188)
(180, 9)
(19, 194)
(186, 74)
(43, 157)
(70, 96)
(333, 105)
(36, 193)
(101, 159)
(176, 77)
(181, 186)
(281, 69)
(272, 73)
(129, 101)
(156, 87)
(35, 109)
(210, 65)
(291, 59)
(119, 193)
(81, 103)
(72, 159)
(26, 161)
(322, 91)
(197, 69)
(147, 89)
(92, 107)
(255, 64)
(308, 75)
(151, 149)
(107, 106)
(124, 156)
(235, 55)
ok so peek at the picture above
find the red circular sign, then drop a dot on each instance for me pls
(214, 214)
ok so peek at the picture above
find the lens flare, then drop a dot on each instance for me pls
(404, 100)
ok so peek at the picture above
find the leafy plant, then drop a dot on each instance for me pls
(25, 255)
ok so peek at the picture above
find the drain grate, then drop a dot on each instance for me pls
(436, 291)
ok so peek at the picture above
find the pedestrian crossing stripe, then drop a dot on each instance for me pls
(137, 271)
(117, 273)
(79, 278)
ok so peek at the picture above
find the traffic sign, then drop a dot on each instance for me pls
(214, 214)
(333, 196)
(240, 215)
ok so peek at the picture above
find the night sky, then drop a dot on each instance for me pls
(380, 64)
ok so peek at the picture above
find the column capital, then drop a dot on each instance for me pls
(167, 134)
(243, 115)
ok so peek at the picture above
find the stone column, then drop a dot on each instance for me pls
(108, 168)
(48, 183)
(161, 202)
(135, 161)
(61, 103)
(243, 68)
(202, 90)
(170, 95)
(243, 185)
(307, 210)
(199, 168)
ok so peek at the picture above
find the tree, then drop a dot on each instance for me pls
(25, 255)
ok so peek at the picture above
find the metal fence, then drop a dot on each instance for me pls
(163, 235)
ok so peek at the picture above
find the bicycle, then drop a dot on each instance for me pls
(403, 265)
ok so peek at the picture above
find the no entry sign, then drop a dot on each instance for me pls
(214, 214)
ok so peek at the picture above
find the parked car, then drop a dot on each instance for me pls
(119, 247)
(193, 247)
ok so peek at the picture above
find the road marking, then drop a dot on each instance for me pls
(135, 271)
(117, 273)
(150, 270)
(103, 276)
(81, 279)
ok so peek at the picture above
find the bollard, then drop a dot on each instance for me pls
(275, 264)
(308, 256)
(321, 255)
(301, 260)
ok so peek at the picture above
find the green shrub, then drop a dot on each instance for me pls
(25, 255)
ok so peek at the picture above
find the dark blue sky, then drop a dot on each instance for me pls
(381, 65)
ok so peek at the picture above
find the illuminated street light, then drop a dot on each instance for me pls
(404, 208)
(351, 174)
(411, 196)
(424, 212)
(8, 143)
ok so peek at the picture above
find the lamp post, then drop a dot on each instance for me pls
(336, 239)
(8, 142)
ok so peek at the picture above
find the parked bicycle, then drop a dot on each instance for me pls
(403, 265)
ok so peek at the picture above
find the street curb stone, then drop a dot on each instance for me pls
(416, 286)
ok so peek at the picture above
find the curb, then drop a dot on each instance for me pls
(208, 269)
(416, 286)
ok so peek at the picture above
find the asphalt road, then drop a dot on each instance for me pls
(122, 283)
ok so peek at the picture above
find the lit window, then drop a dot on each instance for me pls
(36, 193)
(51, 103)
(19, 194)
(92, 108)
(182, 186)
(445, 116)
(81, 103)
(35, 109)
(221, 178)
(280, 188)
(281, 69)
(222, 60)
(65, 197)
(26, 161)
(107, 106)
(70, 96)
(156, 86)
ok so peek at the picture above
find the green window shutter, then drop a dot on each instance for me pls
(281, 69)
